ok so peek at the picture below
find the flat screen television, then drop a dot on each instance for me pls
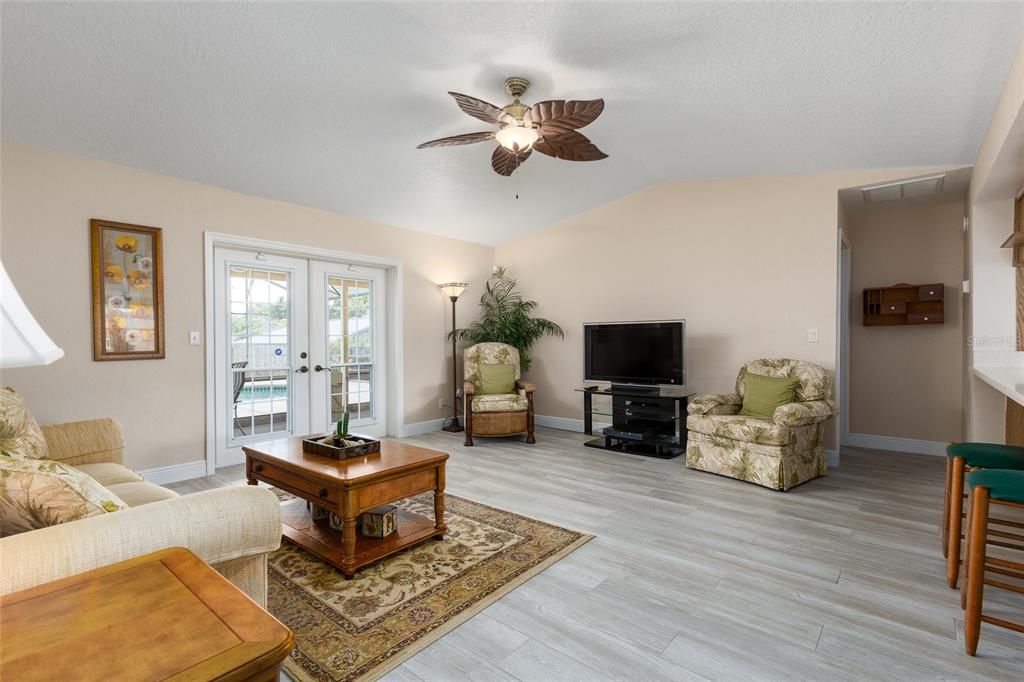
(635, 352)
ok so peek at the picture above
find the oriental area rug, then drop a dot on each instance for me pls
(359, 629)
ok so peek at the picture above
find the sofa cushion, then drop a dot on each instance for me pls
(500, 402)
(763, 394)
(745, 429)
(497, 379)
(35, 493)
(108, 473)
(137, 493)
(815, 383)
(20, 435)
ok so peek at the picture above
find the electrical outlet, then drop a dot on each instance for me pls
(442, 403)
(812, 335)
(194, 339)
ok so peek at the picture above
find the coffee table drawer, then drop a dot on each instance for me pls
(397, 489)
(293, 483)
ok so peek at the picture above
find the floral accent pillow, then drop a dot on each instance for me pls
(39, 493)
(20, 435)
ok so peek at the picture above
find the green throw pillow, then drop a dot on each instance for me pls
(761, 394)
(497, 379)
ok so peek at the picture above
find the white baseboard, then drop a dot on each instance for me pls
(832, 458)
(420, 428)
(909, 445)
(565, 424)
(173, 473)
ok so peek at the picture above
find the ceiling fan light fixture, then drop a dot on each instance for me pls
(517, 137)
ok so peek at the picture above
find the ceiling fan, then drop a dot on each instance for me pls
(549, 127)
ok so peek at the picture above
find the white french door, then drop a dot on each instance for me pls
(297, 342)
(348, 343)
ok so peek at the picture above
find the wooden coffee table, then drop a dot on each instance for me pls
(165, 615)
(347, 488)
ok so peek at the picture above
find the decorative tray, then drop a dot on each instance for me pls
(353, 446)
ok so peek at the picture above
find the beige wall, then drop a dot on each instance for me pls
(906, 381)
(47, 201)
(749, 262)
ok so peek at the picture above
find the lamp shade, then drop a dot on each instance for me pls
(22, 341)
(453, 289)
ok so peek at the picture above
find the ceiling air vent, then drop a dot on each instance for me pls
(903, 189)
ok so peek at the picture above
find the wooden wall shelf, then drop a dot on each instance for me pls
(903, 304)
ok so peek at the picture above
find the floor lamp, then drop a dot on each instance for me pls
(453, 290)
(23, 342)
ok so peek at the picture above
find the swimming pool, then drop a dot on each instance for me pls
(258, 392)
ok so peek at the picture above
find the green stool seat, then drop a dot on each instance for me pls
(1003, 485)
(988, 455)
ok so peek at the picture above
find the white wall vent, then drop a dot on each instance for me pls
(903, 189)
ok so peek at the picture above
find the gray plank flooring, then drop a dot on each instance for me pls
(694, 576)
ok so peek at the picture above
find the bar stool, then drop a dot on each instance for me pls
(960, 458)
(987, 488)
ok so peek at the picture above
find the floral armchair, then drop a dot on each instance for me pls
(779, 453)
(498, 414)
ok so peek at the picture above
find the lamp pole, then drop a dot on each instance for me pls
(453, 289)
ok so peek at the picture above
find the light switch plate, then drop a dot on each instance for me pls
(193, 339)
(812, 335)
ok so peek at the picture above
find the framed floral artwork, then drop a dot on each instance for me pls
(127, 291)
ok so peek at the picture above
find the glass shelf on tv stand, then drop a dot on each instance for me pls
(638, 413)
(628, 412)
(638, 391)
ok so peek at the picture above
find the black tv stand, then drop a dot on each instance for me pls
(646, 420)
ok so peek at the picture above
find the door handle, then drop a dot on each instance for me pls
(318, 368)
(302, 369)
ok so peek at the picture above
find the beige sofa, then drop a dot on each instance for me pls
(232, 529)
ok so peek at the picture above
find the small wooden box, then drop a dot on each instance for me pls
(379, 522)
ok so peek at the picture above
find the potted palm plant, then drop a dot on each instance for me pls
(506, 317)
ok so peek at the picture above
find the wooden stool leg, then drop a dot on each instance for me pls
(967, 541)
(956, 510)
(975, 568)
(945, 507)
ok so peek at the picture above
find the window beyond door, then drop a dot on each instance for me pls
(260, 359)
(350, 345)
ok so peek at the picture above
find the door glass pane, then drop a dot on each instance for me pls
(260, 362)
(350, 348)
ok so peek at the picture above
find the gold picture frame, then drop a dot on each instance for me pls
(127, 291)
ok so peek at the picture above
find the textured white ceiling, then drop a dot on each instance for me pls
(323, 104)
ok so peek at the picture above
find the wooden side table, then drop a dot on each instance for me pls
(159, 616)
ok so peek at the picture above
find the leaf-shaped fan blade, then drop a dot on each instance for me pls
(558, 115)
(504, 162)
(570, 146)
(465, 138)
(477, 108)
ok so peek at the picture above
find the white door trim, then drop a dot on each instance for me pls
(395, 344)
(843, 338)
